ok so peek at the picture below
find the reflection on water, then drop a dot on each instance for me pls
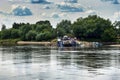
(42, 63)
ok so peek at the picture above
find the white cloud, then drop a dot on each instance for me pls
(55, 15)
(66, 7)
(46, 7)
(116, 15)
(19, 0)
(115, 2)
(91, 12)
(63, 15)
(44, 15)
(31, 1)
(106, 0)
(10, 0)
(58, 15)
(4, 13)
(40, 2)
(71, 1)
(21, 10)
(112, 1)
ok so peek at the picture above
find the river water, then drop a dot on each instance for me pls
(43, 63)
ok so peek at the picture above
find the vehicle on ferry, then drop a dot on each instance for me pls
(67, 42)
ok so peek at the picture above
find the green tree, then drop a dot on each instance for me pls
(15, 33)
(24, 30)
(47, 35)
(117, 27)
(44, 36)
(18, 25)
(3, 27)
(91, 27)
(31, 35)
(109, 35)
(0, 34)
(60, 32)
(44, 22)
(40, 37)
(6, 34)
(53, 33)
(39, 28)
(64, 26)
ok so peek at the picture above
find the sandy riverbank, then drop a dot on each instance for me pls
(114, 45)
(36, 43)
(81, 43)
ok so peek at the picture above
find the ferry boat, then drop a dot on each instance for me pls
(67, 42)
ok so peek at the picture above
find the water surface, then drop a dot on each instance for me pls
(43, 63)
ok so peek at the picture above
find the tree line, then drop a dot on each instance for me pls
(92, 28)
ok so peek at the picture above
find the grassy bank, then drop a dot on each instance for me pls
(35, 43)
(9, 41)
(19, 42)
(50, 43)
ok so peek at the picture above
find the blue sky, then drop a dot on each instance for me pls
(55, 10)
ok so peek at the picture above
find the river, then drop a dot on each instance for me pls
(47, 63)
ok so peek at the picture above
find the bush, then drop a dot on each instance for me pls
(109, 35)
(31, 35)
(6, 34)
(15, 33)
(40, 37)
(45, 36)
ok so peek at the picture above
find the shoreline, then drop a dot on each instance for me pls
(48, 43)
(113, 45)
(36, 43)
(87, 44)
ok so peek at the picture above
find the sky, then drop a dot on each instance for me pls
(31, 11)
